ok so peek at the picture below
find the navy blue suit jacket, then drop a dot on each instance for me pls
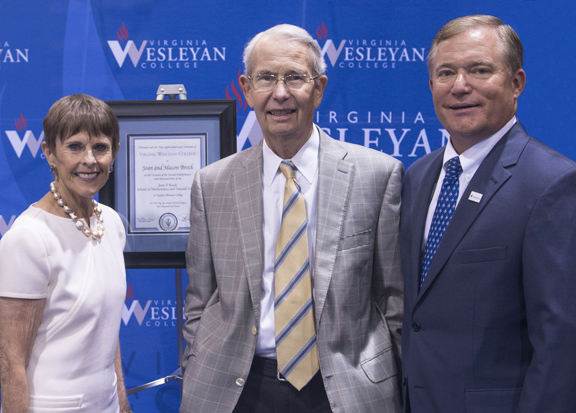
(493, 328)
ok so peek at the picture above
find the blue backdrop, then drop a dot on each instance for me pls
(377, 95)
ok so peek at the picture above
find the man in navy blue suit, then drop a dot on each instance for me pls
(490, 299)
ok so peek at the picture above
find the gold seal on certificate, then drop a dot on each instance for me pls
(168, 222)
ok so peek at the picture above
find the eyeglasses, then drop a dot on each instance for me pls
(265, 82)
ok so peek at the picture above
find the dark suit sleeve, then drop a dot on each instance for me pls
(549, 283)
(199, 266)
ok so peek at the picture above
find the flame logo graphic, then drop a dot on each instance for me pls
(20, 123)
(237, 94)
(122, 33)
(321, 32)
(129, 293)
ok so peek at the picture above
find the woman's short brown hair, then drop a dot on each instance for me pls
(80, 113)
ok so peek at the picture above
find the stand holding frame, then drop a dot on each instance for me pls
(162, 145)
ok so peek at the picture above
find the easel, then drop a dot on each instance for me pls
(177, 374)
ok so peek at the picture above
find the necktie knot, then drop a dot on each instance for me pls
(288, 170)
(453, 167)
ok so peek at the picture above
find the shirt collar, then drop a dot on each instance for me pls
(305, 160)
(472, 157)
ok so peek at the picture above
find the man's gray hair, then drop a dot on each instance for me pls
(291, 33)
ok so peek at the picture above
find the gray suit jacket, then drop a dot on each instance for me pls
(358, 283)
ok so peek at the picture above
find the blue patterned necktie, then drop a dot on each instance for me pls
(296, 349)
(444, 209)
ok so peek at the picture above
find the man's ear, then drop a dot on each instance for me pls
(518, 82)
(246, 89)
(319, 86)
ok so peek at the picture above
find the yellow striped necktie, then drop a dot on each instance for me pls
(296, 349)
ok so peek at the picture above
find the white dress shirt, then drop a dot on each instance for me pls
(470, 160)
(273, 183)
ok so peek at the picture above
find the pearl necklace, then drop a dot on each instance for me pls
(94, 234)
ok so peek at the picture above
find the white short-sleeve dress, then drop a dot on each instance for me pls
(84, 283)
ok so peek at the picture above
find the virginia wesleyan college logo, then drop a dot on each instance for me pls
(20, 138)
(164, 53)
(154, 313)
(374, 53)
(12, 55)
(27, 139)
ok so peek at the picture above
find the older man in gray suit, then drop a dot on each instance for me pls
(295, 295)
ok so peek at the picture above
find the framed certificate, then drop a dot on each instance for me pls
(163, 143)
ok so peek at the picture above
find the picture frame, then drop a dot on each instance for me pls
(163, 143)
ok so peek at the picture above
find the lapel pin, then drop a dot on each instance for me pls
(475, 197)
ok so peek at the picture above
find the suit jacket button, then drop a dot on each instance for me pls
(240, 382)
(415, 327)
(254, 330)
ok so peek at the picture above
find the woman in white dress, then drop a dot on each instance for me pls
(62, 276)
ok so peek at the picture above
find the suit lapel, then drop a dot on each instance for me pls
(488, 179)
(417, 217)
(334, 184)
(248, 204)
